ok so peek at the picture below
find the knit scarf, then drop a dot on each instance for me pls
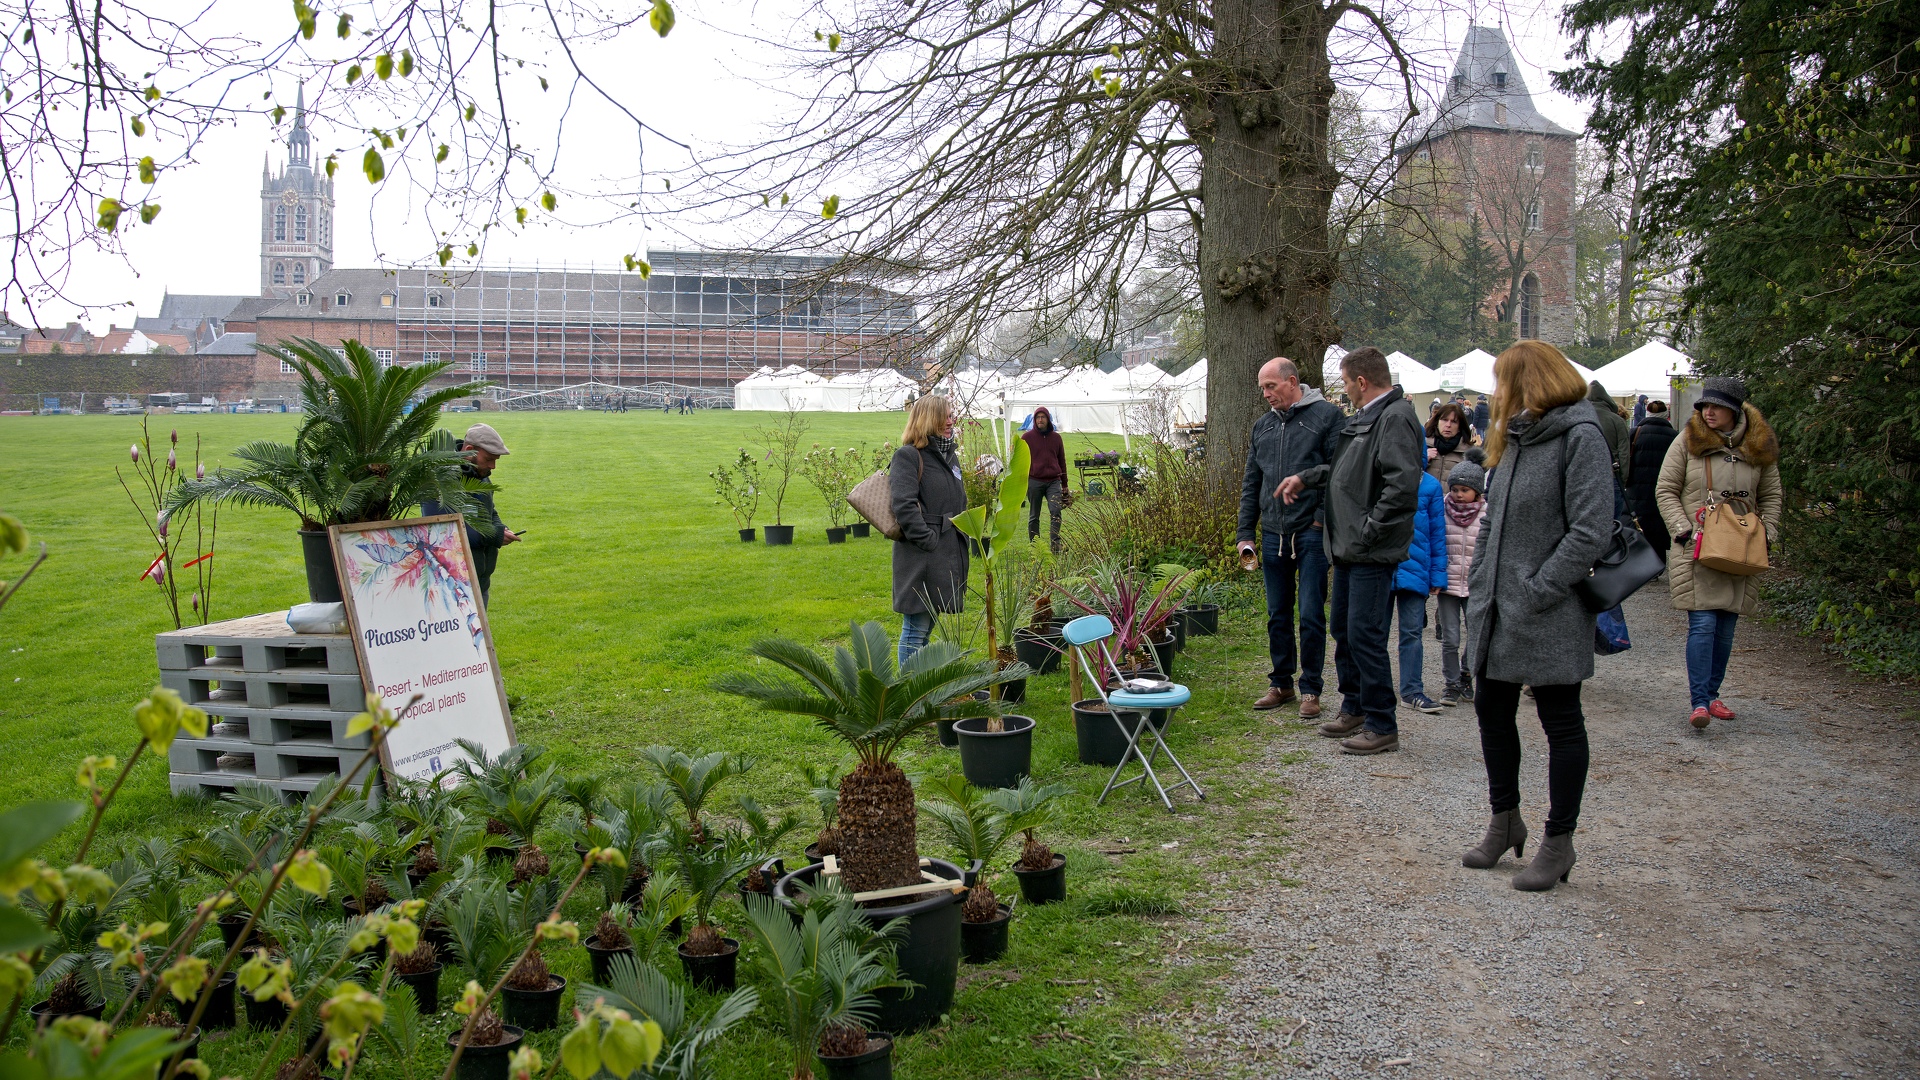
(1465, 515)
(1444, 445)
(942, 445)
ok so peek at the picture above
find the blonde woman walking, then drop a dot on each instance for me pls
(930, 558)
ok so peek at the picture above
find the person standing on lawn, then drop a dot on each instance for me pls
(1422, 574)
(1046, 476)
(1298, 432)
(1648, 451)
(930, 558)
(1729, 436)
(1372, 490)
(1549, 515)
(483, 448)
(1463, 507)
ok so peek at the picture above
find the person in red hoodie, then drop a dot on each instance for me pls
(1046, 475)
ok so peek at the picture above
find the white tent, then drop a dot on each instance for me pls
(1649, 369)
(1187, 394)
(870, 390)
(1411, 375)
(1081, 399)
(1472, 371)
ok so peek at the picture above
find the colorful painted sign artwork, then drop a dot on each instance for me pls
(423, 642)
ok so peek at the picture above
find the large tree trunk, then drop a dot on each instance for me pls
(1266, 264)
(1629, 260)
(878, 841)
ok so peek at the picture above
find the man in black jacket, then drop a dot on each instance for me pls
(1372, 491)
(484, 449)
(1649, 450)
(1297, 434)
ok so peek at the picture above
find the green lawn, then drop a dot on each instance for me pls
(630, 594)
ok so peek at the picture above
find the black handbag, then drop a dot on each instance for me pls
(1627, 563)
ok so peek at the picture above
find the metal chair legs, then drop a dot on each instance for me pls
(1146, 761)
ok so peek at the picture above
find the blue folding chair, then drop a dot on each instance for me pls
(1089, 634)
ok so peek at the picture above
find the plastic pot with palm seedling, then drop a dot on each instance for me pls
(978, 831)
(824, 972)
(520, 808)
(638, 988)
(488, 782)
(862, 697)
(764, 834)
(633, 819)
(1041, 872)
(823, 788)
(708, 868)
(692, 780)
(363, 452)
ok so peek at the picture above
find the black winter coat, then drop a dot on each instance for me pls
(1649, 450)
(1373, 483)
(484, 544)
(1285, 443)
(930, 561)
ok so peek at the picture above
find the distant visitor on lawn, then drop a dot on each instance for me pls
(483, 449)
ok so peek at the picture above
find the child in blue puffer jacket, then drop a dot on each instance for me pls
(1423, 574)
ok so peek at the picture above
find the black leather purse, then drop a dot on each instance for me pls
(1627, 563)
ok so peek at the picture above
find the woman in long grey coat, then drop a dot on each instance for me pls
(930, 558)
(1549, 515)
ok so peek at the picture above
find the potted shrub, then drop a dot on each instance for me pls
(833, 474)
(692, 780)
(531, 994)
(420, 971)
(979, 831)
(994, 525)
(781, 441)
(488, 1049)
(641, 990)
(514, 812)
(361, 452)
(738, 485)
(608, 940)
(1042, 874)
(1139, 614)
(824, 972)
(823, 787)
(861, 697)
(707, 957)
(993, 758)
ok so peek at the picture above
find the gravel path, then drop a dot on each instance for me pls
(1744, 904)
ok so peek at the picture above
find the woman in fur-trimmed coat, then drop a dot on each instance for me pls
(1746, 464)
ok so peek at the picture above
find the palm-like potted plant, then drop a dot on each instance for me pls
(1041, 872)
(979, 831)
(860, 696)
(361, 453)
(640, 989)
(708, 957)
(823, 787)
(692, 780)
(825, 972)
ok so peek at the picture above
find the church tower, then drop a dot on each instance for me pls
(296, 216)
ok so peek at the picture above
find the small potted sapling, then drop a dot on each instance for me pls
(420, 971)
(709, 958)
(1042, 873)
(781, 441)
(831, 472)
(823, 969)
(609, 939)
(823, 787)
(738, 485)
(979, 831)
(764, 834)
(692, 780)
(492, 1042)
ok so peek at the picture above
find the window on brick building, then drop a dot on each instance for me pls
(386, 299)
(280, 223)
(430, 357)
(433, 299)
(342, 299)
(299, 273)
(302, 299)
(385, 356)
(286, 368)
(300, 225)
(1533, 216)
(1530, 307)
(1535, 157)
(279, 273)
(477, 361)
(1500, 80)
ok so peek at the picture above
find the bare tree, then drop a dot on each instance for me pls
(1041, 158)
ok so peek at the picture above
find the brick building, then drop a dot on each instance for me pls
(1492, 160)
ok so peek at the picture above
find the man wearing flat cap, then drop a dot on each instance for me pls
(484, 449)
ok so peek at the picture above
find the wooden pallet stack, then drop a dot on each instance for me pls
(278, 705)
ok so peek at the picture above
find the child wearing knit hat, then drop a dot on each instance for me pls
(1465, 502)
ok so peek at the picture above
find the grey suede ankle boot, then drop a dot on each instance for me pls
(1551, 863)
(1506, 830)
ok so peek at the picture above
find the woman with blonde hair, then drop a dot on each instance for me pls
(1549, 515)
(930, 558)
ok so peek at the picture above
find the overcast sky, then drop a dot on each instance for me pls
(706, 86)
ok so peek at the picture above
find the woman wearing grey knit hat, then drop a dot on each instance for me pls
(1727, 439)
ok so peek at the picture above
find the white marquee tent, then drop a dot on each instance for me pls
(1411, 375)
(1649, 369)
(869, 390)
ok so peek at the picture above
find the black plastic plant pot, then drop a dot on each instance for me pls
(1047, 886)
(268, 1015)
(985, 942)
(426, 988)
(746, 536)
(1203, 619)
(875, 1064)
(1039, 651)
(45, 1010)
(1014, 691)
(1099, 740)
(837, 535)
(416, 880)
(1165, 648)
(779, 535)
(995, 759)
(1178, 624)
(929, 955)
(222, 1011)
(230, 926)
(602, 959)
(533, 1010)
(711, 971)
(947, 737)
(485, 1062)
(323, 578)
(861, 529)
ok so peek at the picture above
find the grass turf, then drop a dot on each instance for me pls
(630, 594)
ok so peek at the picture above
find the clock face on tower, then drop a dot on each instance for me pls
(289, 197)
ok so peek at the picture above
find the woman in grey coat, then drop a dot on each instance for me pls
(1549, 515)
(930, 558)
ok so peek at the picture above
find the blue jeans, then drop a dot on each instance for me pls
(914, 631)
(1362, 615)
(1281, 558)
(1412, 607)
(1709, 644)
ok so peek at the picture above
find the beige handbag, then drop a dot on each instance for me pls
(872, 499)
(1728, 534)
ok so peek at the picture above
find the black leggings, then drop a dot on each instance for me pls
(1497, 704)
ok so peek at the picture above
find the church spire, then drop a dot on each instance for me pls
(298, 152)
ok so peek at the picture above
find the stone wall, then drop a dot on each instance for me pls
(25, 379)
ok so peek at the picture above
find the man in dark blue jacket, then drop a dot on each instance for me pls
(1297, 433)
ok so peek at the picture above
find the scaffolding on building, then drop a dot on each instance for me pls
(611, 397)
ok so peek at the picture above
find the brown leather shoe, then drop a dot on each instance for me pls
(1275, 697)
(1309, 706)
(1370, 742)
(1342, 725)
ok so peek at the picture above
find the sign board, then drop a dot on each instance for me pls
(418, 626)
